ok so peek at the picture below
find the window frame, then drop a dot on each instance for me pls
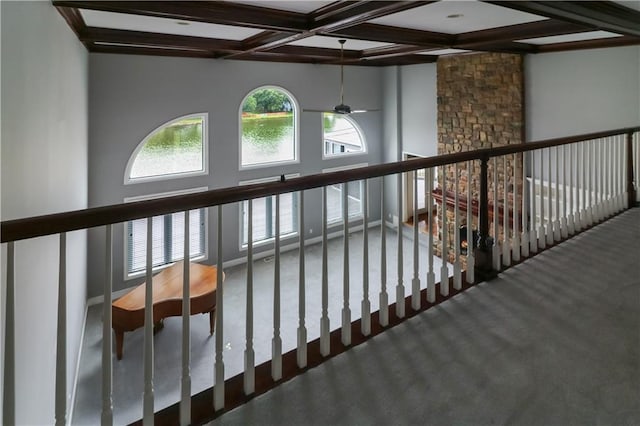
(129, 276)
(356, 126)
(128, 180)
(270, 240)
(352, 217)
(296, 131)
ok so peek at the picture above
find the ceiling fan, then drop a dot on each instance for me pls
(342, 108)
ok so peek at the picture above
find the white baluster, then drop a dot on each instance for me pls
(607, 180)
(516, 219)
(557, 232)
(596, 185)
(533, 235)
(524, 237)
(9, 375)
(366, 305)
(276, 343)
(185, 401)
(506, 245)
(384, 297)
(218, 388)
(601, 179)
(444, 271)
(496, 231)
(583, 210)
(590, 186)
(107, 359)
(563, 221)
(571, 225)
(471, 243)
(249, 377)
(346, 310)
(415, 282)
(61, 341)
(431, 275)
(325, 343)
(542, 239)
(622, 199)
(302, 328)
(550, 231)
(400, 285)
(457, 267)
(148, 331)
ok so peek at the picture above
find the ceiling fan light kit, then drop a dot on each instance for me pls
(341, 108)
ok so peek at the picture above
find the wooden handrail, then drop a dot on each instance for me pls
(37, 226)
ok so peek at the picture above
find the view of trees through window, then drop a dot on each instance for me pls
(340, 135)
(268, 127)
(176, 147)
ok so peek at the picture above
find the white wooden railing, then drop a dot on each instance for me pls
(568, 185)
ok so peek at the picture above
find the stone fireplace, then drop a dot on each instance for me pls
(480, 105)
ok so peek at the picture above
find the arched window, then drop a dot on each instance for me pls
(178, 148)
(268, 128)
(341, 136)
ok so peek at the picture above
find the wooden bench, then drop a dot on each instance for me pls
(128, 311)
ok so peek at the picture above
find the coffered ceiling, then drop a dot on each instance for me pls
(378, 33)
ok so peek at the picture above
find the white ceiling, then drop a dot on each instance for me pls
(589, 35)
(444, 52)
(291, 5)
(122, 21)
(332, 43)
(476, 16)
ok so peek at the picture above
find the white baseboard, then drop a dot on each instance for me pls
(75, 381)
(239, 261)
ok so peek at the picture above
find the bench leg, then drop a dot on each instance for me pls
(212, 321)
(119, 342)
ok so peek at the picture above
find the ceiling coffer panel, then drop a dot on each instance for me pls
(378, 33)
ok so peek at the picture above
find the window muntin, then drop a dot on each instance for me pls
(167, 238)
(354, 197)
(268, 128)
(341, 136)
(175, 149)
(264, 216)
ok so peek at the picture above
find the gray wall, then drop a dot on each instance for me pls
(132, 95)
(44, 170)
(410, 119)
(569, 93)
(419, 110)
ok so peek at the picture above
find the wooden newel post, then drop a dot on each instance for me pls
(483, 257)
(631, 188)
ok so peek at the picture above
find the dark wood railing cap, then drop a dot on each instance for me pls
(20, 229)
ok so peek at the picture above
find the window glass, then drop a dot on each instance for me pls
(264, 217)
(175, 148)
(167, 240)
(334, 201)
(341, 136)
(268, 128)
(167, 237)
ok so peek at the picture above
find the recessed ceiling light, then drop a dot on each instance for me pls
(455, 15)
(183, 23)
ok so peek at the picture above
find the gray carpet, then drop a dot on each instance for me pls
(552, 341)
(128, 379)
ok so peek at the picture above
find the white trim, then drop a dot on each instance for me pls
(356, 126)
(352, 217)
(296, 131)
(125, 251)
(240, 260)
(75, 381)
(242, 246)
(205, 153)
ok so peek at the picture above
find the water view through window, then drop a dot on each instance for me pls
(268, 128)
(174, 148)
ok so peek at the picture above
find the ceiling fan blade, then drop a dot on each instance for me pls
(356, 111)
(328, 111)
